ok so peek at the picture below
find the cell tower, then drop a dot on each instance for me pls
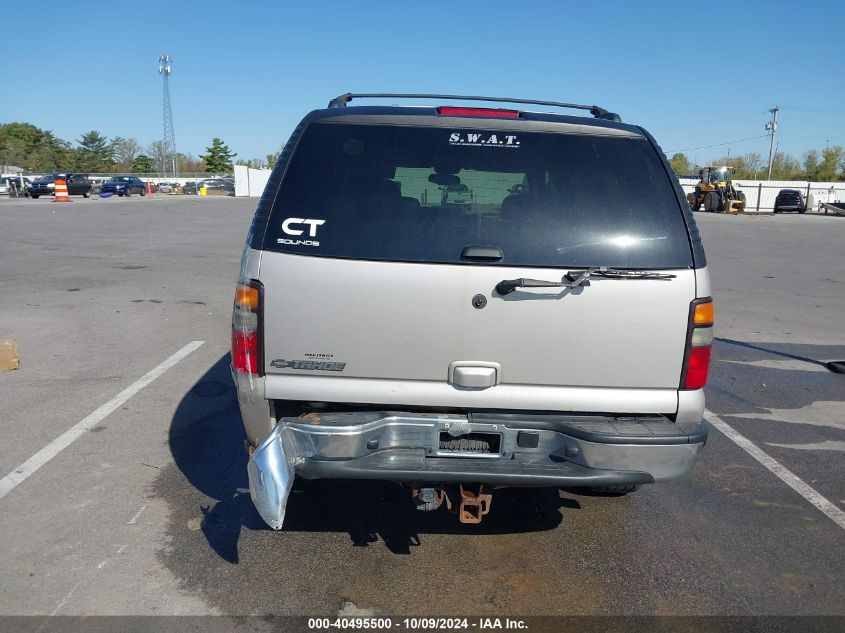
(169, 155)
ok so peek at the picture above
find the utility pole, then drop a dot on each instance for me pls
(773, 126)
(164, 69)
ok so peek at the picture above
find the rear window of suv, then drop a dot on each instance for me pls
(421, 194)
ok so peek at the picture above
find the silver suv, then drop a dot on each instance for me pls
(552, 330)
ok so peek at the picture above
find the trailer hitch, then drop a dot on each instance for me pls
(474, 505)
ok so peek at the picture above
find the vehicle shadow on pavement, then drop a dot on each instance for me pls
(771, 375)
(373, 511)
(808, 351)
(207, 443)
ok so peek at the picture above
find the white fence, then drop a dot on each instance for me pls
(760, 194)
(249, 181)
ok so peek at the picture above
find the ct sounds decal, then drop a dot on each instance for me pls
(293, 226)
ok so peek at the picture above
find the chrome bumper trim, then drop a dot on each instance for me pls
(374, 447)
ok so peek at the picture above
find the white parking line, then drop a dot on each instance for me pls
(779, 470)
(22, 472)
(134, 519)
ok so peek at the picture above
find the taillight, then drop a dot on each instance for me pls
(246, 328)
(699, 342)
(489, 112)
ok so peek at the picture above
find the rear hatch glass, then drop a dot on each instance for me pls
(421, 194)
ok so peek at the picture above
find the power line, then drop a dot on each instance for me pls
(721, 121)
(821, 110)
(742, 140)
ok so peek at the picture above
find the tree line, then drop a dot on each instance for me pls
(40, 151)
(827, 165)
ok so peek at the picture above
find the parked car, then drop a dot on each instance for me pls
(12, 184)
(190, 188)
(219, 183)
(167, 187)
(456, 193)
(77, 185)
(557, 335)
(124, 186)
(790, 200)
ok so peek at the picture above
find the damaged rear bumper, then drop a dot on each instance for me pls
(518, 450)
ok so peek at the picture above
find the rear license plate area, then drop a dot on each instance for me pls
(476, 444)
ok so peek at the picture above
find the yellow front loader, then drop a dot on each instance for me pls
(716, 193)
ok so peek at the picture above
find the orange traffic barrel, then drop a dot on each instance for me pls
(60, 192)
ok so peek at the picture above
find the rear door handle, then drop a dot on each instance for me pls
(474, 374)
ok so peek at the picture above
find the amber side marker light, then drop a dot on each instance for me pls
(703, 313)
(247, 297)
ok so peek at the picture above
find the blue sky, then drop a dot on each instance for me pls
(248, 71)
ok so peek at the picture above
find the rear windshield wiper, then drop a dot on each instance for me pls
(578, 278)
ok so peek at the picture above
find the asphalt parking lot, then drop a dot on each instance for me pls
(148, 512)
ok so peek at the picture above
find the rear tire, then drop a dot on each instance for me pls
(692, 199)
(615, 491)
(34, 195)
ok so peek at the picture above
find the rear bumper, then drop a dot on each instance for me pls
(532, 450)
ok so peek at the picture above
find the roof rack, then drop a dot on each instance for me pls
(599, 113)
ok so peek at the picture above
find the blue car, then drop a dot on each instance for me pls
(124, 186)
